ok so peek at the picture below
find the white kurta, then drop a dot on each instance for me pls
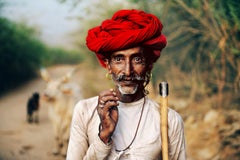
(84, 143)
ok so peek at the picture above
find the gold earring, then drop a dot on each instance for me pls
(108, 76)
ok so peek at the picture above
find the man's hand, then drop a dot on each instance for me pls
(108, 113)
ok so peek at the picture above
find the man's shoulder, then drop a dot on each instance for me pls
(89, 100)
(175, 120)
(88, 104)
(150, 100)
(172, 114)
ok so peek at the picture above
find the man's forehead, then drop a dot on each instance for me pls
(130, 51)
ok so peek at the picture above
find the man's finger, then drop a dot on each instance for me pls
(108, 98)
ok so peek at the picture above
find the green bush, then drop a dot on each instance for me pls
(22, 54)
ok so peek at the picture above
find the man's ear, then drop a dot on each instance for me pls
(107, 63)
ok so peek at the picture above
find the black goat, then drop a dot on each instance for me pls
(32, 108)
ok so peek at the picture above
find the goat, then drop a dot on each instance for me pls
(61, 95)
(32, 108)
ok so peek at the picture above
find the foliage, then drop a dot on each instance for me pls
(22, 54)
(206, 33)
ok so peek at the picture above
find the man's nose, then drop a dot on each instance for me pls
(128, 68)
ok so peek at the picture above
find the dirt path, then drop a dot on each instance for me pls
(20, 140)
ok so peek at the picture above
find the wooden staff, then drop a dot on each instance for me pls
(163, 91)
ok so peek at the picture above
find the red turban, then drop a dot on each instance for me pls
(127, 29)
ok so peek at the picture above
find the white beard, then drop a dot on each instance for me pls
(127, 90)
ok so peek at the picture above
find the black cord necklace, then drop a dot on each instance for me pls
(135, 135)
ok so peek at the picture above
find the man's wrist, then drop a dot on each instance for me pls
(106, 138)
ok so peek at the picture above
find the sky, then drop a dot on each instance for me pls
(55, 20)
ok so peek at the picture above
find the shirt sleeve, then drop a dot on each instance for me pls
(79, 147)
(177, 149)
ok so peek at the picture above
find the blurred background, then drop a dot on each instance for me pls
(201, 64)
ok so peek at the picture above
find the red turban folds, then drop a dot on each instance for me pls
(126, 29)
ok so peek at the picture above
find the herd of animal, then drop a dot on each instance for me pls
(61, 95)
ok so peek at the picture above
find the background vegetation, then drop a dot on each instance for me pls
(205, 46)
(22, 54)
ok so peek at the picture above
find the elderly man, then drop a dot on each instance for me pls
(123, 123)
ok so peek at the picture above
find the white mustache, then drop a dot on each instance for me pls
(123, 77)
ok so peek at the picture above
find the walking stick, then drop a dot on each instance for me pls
(163, 91)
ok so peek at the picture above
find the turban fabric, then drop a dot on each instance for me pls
(126, 29)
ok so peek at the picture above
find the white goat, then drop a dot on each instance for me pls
(61, 95)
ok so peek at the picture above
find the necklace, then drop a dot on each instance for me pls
(135, 135)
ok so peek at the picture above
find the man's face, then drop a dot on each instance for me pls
(128, 68)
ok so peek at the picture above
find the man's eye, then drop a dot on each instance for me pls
(117, 59)
(138, 59)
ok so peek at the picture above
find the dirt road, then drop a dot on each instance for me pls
(19, 139)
